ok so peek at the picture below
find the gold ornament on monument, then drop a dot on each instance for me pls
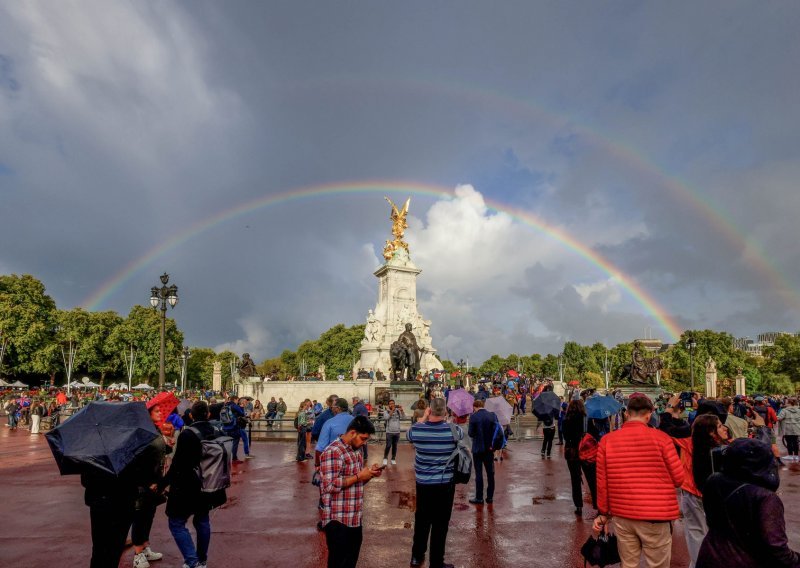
(399, 226)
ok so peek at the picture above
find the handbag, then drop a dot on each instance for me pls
(600, 551)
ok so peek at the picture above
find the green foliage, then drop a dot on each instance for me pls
(336, 348)
(200, 367)
(27, 319)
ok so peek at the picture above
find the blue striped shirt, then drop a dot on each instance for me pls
(433, 445)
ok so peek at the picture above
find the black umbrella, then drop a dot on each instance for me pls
(105, 435)
(546, 404)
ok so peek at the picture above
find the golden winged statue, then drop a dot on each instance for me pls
(399, 225)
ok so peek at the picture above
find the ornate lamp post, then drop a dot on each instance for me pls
(184, 356)
(164, 295)
(691, 345)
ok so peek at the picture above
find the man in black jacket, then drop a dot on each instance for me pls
(483, 427)
(185, 496)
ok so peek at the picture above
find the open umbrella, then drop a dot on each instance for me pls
(105, 435)
(598, 406)
(574, 383)
(184, 405)
(501, 408)
(166, 401)
(460, 402)
(546, 404)
(512, 373)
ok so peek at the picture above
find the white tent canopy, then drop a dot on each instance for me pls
(142, 386)
(90, 385)
(73, 384)
(18, 384)
(3, 383)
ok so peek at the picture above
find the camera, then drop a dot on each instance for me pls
(687, 397)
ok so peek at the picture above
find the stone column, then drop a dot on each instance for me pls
(216, 377)
(711, 378)
(740, 383)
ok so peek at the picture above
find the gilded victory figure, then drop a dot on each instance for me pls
(399, 225)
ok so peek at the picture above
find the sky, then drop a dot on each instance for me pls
(578, 172)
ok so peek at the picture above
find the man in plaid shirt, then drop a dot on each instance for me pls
(343, 477)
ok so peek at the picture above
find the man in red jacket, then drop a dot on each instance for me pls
(638, 470)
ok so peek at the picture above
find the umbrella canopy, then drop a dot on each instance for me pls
(142, 386)
(18, 384)
(460, 402)
(166, 401)
(573, 383)
(90, 385)
(513, 373)
(546, 404)
(602, 406)
(501, 408)
(184, 405)
(105, 435)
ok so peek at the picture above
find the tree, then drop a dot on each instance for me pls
(27, 319)
(142, 328)
(200, 367)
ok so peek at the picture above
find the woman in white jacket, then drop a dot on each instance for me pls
(789, 419)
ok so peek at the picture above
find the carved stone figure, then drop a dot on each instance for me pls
(711, 366)
(641, 370)
(374, 327)
(247, 368)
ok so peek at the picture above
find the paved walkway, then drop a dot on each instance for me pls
(271, 515)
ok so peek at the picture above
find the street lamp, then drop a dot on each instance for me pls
(184, 356)
(461, 378)
(164, 295)
(68, 349)
(691, 345)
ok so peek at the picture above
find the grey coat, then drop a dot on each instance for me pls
(789, 419)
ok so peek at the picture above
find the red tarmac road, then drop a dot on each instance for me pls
(270, 517)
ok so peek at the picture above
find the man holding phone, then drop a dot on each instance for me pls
(343, 477)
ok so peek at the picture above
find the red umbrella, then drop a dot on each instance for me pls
(513, 373)
(573, 383)
(166, 401)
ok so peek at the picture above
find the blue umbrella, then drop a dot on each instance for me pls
(105, 435)
(602, 406)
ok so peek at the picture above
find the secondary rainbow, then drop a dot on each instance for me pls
(713, 214)
(641, 296)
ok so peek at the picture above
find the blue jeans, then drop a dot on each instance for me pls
(245, 441)
(236, 434)
(183, 538)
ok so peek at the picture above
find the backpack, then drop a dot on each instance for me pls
(214, 469)
(226, 416)
(587, 449)
(499, 437)
(461, 459)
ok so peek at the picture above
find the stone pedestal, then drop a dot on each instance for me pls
(652, 391)
(397, 306)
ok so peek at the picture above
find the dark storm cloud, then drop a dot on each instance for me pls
(122, 125)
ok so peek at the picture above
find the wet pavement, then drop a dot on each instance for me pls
(271, 514)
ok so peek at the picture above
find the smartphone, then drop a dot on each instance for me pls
(381, 468)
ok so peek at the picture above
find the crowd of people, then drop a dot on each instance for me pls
(645, 465)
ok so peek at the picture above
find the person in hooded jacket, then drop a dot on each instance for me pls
(746, 526)
(789, 419)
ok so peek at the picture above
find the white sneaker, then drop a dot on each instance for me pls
(394, 462)
(140, 561)
(385, 461)
(201, 565)
(150, 555)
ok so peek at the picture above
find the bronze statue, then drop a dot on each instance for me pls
(641, 370)
(405, 356)
(247, 368)
(399, 225)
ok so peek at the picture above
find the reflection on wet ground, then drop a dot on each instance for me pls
(270, 518)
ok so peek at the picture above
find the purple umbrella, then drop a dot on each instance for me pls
(501, 408)
(460, 402)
